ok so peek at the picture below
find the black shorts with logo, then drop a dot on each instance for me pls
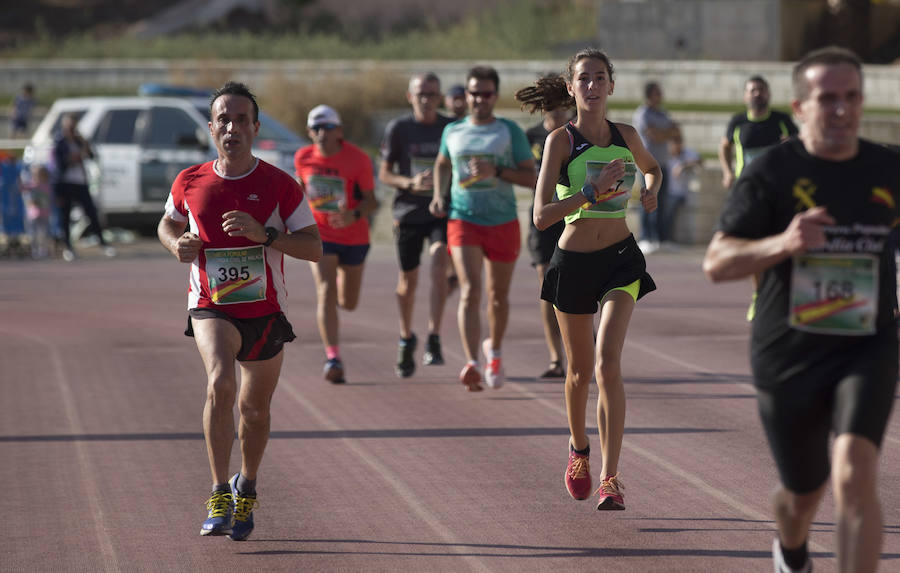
(576, 282)
(851, 392)
(261, 338)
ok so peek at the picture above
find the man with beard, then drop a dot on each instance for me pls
(751, 132)
(748, 135)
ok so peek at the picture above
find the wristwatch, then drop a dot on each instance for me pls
(358, 214)
(588, 192)
(271, 235)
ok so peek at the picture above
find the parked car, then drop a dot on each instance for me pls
(141, 144)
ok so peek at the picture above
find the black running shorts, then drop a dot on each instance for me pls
(576, 282)
(261, 338)
(853, 394)
(410, 240)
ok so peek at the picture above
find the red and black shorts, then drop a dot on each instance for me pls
(261, 338)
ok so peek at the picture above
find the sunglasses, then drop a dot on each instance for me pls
(426, 94)
(325, 126)
(483, 95)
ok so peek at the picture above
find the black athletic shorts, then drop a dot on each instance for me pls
(261, 338)
(852, 393)
(576, 282)
(348, 255)
(541, 244)
(410, 240)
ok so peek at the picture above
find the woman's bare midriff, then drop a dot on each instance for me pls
(588, 235)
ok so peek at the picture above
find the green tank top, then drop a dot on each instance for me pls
(587, 160)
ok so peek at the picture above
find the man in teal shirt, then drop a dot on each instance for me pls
(480, 159)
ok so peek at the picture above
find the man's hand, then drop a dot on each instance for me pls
(727, 179)
(241, 224)
(806, 231)
(187, 247)
(421, 182)
(437, 208)
(342, 218)
(482, 169)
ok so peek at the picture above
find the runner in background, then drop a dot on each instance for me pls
(541, 244)
(408, 150)
(480, 158)
(455, 101)
(338, 178)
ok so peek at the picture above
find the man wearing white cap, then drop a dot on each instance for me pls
(340, 183)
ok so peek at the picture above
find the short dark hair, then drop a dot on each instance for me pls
(484, 73)
(757, 79)
(235, 88)
(426, 77)
(651, 87)
(829, 55)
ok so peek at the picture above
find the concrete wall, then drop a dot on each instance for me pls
(685, 81)
(690, 29)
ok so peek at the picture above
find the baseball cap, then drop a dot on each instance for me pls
(456, 90)
(322, 114)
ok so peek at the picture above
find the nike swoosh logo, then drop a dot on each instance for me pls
(623, 250)
(582, 146)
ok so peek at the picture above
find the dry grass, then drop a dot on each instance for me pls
(356, 98)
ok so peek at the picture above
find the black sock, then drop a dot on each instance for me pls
(221, 488)
(246, 487)
(795, 558)
(584, 452)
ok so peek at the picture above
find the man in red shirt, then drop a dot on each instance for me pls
(233, 219)
(339, 179)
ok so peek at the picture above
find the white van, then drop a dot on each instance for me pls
(141, 144)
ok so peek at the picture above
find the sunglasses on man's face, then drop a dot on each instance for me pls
(482, 95)
(325, 126)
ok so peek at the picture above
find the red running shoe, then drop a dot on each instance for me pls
(610, 492)
(578, 475)
(470, 377)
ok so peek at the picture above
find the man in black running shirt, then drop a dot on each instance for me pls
(814, 216)
(751, 132)
(408, 150)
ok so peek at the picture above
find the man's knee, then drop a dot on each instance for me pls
(221, 390)
(253, 415)
(794, 505)
(854, 469)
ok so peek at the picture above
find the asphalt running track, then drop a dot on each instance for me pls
(104, 466)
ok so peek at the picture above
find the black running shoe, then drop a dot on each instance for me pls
(433, 356)
(405, 363)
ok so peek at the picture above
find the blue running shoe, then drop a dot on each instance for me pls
(218, 520)
(334, 371)
(243, 512)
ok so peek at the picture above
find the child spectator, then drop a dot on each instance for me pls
(683, 165)
(37, 194)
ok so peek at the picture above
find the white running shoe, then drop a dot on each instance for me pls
(493, 372)
(781, 566)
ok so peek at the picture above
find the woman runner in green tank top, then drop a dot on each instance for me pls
(590, 165)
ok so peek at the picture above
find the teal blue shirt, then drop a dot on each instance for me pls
(489, 201)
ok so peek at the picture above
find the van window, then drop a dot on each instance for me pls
(117, 126)
(77, 113)
(168, 126)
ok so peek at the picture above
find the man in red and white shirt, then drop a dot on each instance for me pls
(339, 180)
(233, 219)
